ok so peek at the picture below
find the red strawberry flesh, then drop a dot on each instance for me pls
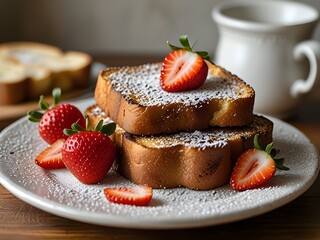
(253, 168)
(137, 196)
(51, 157)
(182, 71)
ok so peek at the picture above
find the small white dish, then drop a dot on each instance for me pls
(59, 193)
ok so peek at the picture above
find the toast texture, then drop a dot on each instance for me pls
(133, 98)
(199, 160)
(45, 67)
(13, 81)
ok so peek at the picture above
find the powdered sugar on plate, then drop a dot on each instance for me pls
(58, 192)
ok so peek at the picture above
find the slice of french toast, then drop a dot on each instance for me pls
(198, 160)
(133, 98)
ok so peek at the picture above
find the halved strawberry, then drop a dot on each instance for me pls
(255, 167)
(51, 157)
(137, 196)
(183, 69)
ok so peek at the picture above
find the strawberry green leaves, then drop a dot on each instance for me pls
(107, 129)
(35, 116)
(270, 151)
(186, 46)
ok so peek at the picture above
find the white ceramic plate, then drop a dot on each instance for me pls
(59, 193)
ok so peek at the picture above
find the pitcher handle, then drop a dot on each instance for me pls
(310, 49)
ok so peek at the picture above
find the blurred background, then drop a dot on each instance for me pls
(113, 26)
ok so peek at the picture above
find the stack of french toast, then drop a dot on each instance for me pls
(166, 139)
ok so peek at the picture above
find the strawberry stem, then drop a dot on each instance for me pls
(256, 142)
(186, 46)
(204, 55)
(88, 125)
(34, 116)
(271, 151)
(185, 42)
(99, 126)
(69, 132)
(76, 127)
(279, 164)
(269, 148)
(56, 93)
(107, 129)
(43, 104)
(172, 47)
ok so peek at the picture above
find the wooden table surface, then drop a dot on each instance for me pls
(300, 219)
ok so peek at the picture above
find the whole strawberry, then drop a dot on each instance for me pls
(183, 69)
(55, 118)
(89, 155)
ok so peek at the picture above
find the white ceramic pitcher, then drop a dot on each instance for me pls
(267, 43)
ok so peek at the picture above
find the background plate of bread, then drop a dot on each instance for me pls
(31, 69)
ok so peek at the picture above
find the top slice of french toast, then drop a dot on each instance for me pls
(132, 97)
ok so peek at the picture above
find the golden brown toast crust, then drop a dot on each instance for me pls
(132, 96)
(199, 160)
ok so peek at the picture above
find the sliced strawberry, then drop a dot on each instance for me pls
(255, 167)
(51, 157)
(137, 196)
(183, 69)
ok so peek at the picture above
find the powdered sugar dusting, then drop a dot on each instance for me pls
(58, 192)
(141, 84)
(197, 139)
(96, 111)
(210, 138)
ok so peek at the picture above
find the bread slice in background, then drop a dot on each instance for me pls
(40, 81)
(13, 82)
(70, 70)
(46, 67)
(199, 160)
(133, 98)
(29, 53)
